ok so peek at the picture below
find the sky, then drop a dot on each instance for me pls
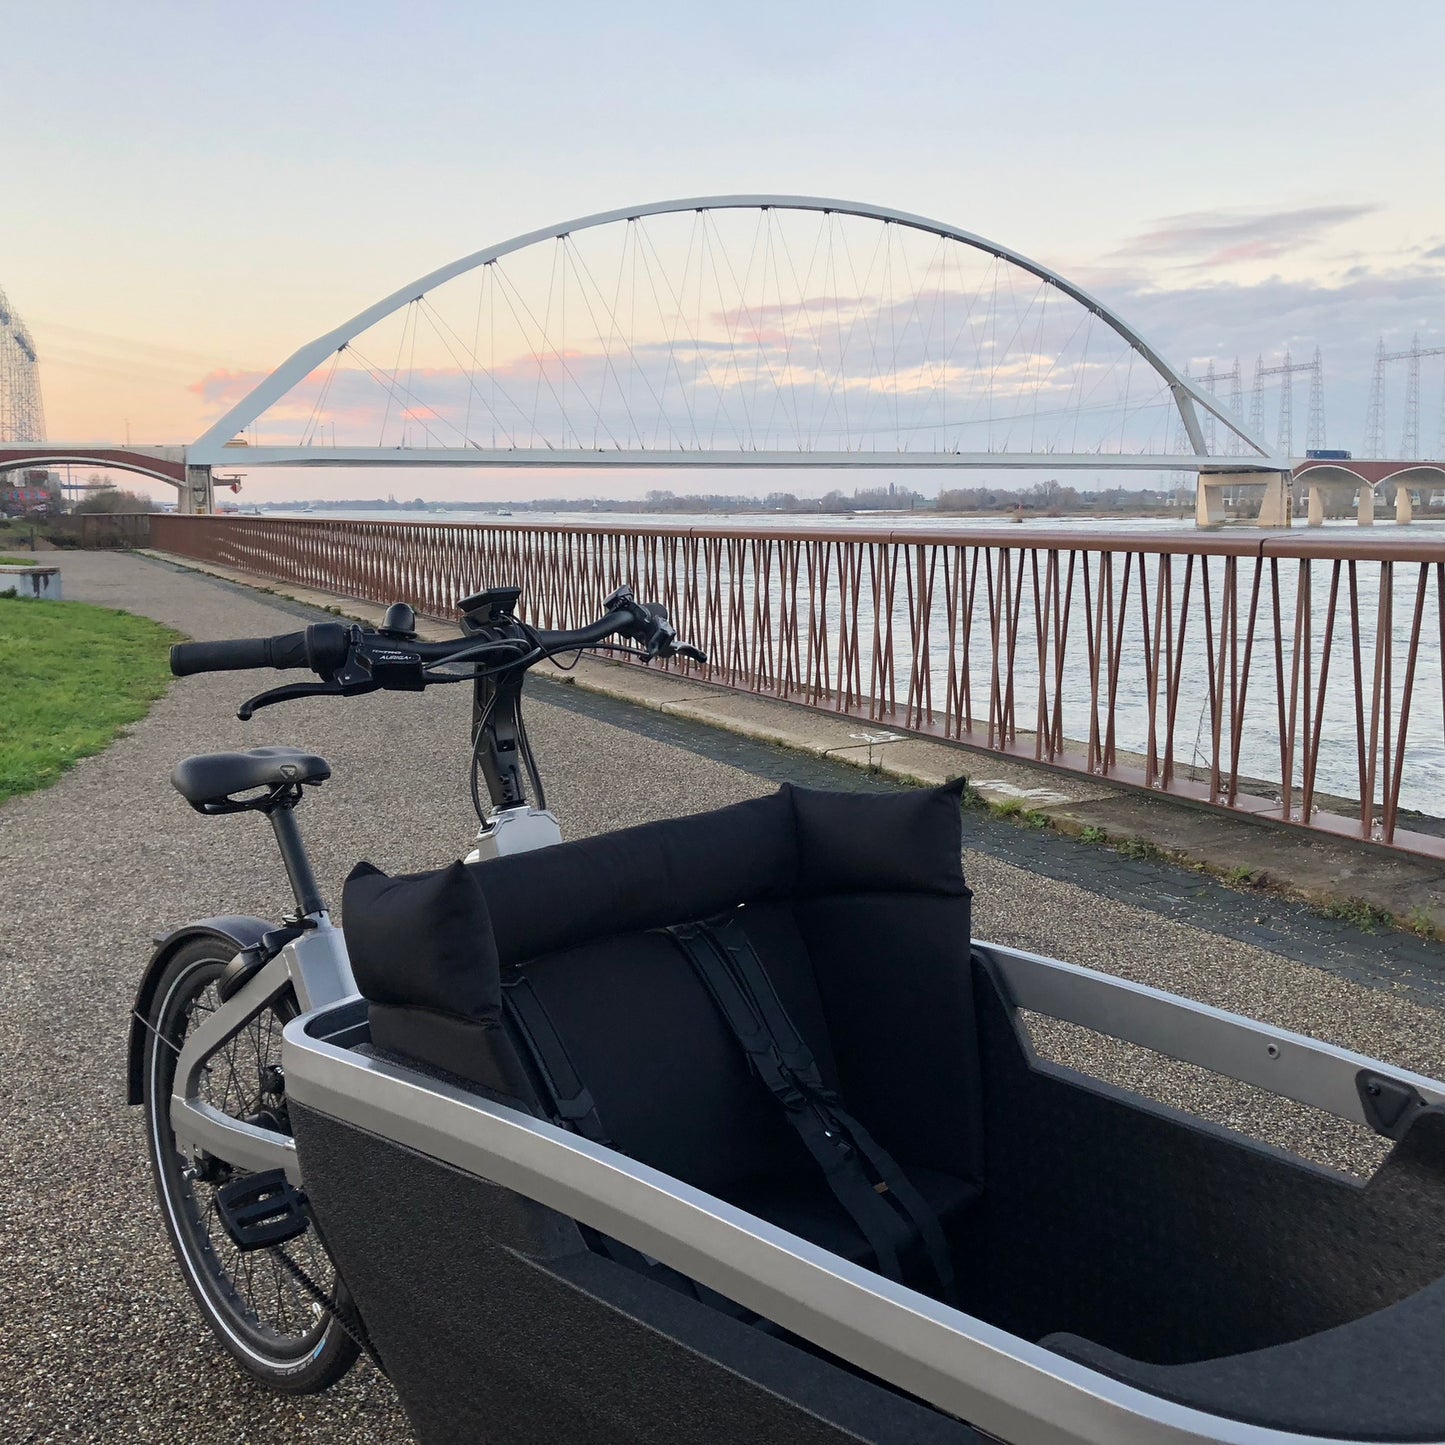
(197, 188)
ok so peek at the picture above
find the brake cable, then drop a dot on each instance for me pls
(539, 793)
(477, 650)
(477, 757)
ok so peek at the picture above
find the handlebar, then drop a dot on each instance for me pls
(321, 647)
(351, 659)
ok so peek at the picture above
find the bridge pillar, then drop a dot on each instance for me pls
(1404, 505)
(1317, 504)
(1209, 502)
(198, 495)
(1277, 508)
(1365, 509)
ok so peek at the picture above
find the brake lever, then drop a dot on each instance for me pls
(687, 650)
(294, 690)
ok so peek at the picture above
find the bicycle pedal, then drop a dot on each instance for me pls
(261, 1210)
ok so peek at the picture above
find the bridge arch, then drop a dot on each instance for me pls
(1417, 474)
(1332, 474)
(1179, 392)
(156, 470)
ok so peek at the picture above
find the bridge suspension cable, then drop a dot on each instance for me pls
(742, 330)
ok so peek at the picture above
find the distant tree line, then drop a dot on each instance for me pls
(1047, 497)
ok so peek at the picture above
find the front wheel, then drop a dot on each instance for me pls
(268, 1307)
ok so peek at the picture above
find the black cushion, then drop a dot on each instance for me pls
(796, 841)
(1377, 1378)
(905, 842)
(423, 940)
(888, 975)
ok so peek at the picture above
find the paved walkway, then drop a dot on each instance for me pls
(98, 1340)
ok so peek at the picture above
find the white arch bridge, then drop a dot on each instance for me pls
(734, 331)
(728, 331)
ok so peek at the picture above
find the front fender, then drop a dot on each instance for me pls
(232, 929)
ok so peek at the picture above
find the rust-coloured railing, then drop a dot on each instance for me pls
(1295, 678)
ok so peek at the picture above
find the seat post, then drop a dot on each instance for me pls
(293, 855)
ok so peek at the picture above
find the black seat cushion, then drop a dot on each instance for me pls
(212, 778)
(1377, 1378)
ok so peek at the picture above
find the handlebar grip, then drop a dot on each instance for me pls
(239, 654)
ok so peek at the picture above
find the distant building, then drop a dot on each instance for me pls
(31, 490)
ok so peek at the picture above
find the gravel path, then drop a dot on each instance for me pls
(98, 1340)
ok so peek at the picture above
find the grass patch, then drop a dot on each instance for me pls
(71, 677)
(1091, 834)
(1016, 809)
(19, 562)
(1419, 921)
(1364, 916)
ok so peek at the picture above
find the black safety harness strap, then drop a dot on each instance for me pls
(568, 1094)
(572, 1103)
(864, 1178)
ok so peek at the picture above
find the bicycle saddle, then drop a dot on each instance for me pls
(208, 781)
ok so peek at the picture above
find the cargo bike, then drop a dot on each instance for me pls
(725, 1128)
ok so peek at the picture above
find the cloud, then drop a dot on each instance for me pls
(1222, 238)
(1436, 253)
(223, 388)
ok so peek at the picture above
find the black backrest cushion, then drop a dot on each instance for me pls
(422, 939)
(796, 841)
(856, 904)
(906, 842)
(637, 878)
(895, 983)
(670, 1084)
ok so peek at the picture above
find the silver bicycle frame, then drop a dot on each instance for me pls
(316, 967)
